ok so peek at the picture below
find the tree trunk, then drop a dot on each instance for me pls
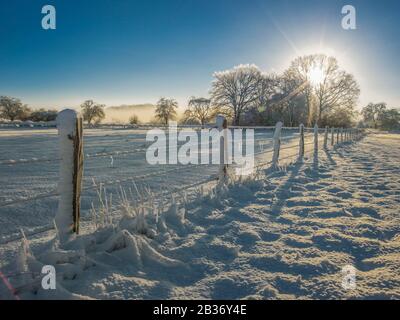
(319, 115)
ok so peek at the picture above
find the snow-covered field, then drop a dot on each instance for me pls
(112, 157)
(279, 234)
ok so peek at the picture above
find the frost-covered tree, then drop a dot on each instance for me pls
(200, 110)
(341, 117)
(43, 115)
(287, 104)
(92, 111)
(389, 119)
(13, 108)
(372, 112)
(336, 89)
(236, 89)
(298, 73)
(166, 110)
(134, 119)
(325, 86)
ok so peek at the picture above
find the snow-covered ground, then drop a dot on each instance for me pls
(281, 234)
(112, 157)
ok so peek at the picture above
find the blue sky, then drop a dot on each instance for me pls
(128, 51)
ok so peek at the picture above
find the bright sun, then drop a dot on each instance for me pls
(316, 76)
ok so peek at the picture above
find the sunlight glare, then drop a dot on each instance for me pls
(316, 76)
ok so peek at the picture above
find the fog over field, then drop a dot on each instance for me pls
(199, 150)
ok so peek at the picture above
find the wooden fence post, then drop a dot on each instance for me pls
(332, 136)
(337, 135)
(341, 135)
(277, 144)
(301, 142)
(316, 139)
(70, 130)
(222, 124)
(326, 138)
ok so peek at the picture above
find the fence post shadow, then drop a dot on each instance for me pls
(329, 156)
(316, 149)
(276, 208)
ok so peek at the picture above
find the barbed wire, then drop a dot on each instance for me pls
(118, 181)
(103, 183)
(50, 227)
(24, 200)
(160, 173)
(144, 176)
(111, 153)
(25, 161)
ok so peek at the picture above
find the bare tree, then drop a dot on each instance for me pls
(43, 115)
(390, 119)
(200, 110)
(166, 110)
(134, 119)
(324, 82)
(341, 117)
(288, 104)
(92, 111)
(372, 113)
(298, 73)
(236, 89)
(268, 89)
(13, 108)
(337, 88)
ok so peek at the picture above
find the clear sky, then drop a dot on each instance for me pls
(135, 51)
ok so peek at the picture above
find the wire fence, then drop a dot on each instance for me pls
(184, 176)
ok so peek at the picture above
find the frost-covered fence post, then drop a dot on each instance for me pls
(316, 139)
(301, 142)
(277, 144)
(326, 138)
(315, 158)
(337, 135)
(70, 131)
(341, 135)
(222, 124)
(332, 136)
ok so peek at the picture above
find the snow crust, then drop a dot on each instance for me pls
(280, 234)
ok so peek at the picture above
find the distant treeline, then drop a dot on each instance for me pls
(379, 116)
(13, 109)
(312, 90)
